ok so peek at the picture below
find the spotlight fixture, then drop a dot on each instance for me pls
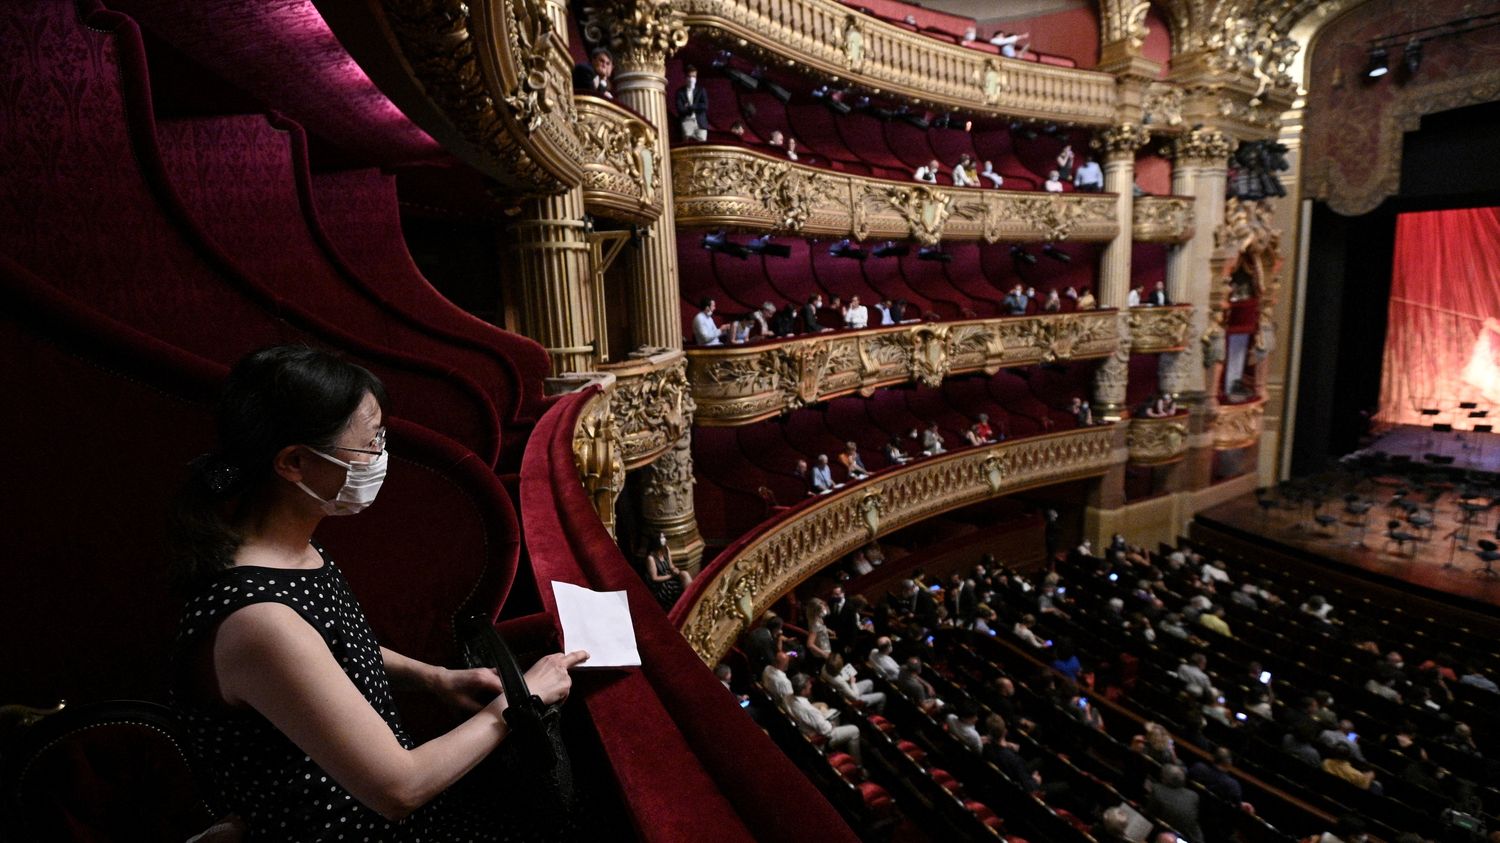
(763, 246)
(918, 120)
(846, 249)
(1379, 63)
(1020, 255)
(1412, 57)
(718, 241)
(891, 249)
(777, 91)
(1050, 129)
(934, 253)
(1056, 254)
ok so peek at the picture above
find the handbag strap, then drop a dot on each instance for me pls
(483, 647)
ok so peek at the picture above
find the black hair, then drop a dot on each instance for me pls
(601, 51)
(275, 397)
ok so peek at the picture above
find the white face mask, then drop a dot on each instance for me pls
(361, 484)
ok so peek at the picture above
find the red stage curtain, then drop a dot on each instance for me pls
(1443, 343)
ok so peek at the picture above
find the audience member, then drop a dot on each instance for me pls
(982, 427)
(1089, 178)
(842, 677)
(917, 689)
(1174, 803)
(963, 723)
(785, 322)
(883, 307)
(928, 172)
(810, 323)
(764, 642)
(893, 453)
(791, 149)
(813, 721)
(963, 172)
(1007, 42)
(1065, 160)
(1086, 300)
(856, 315)
(1133, 298)
(819, 638)
(881, 662)
(821, 480)
(1340, 763)
(1158, 297)
(1053, 184)
(706, 331)
(852, 462)
(1052, 304)
(777, 139)
(594, 77)
(1016, 303)
(692, 107)
(932, 441)
(989, 174)
(774, 679)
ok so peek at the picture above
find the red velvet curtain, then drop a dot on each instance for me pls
(1443, 343)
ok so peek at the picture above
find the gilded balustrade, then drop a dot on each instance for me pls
(1162, 219)
(651, 404)
(734, 385)
(621, 177)
(1154, 330)
(836, 41)
(1155, 441)
(1237, 425)
(733, 187)
(757, 571)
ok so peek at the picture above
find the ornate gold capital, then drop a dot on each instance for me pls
(642, 34)
(1204, 145)
(1121, 140)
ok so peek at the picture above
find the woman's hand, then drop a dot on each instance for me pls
(549, 679)
(466, 690)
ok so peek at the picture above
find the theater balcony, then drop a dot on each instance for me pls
(741, 384)
(1237, 426)
(1157, 441)
(732, 187)
(755, 571)
(834, 40)
(1159, 329)
(622, 179)
(1162, 219)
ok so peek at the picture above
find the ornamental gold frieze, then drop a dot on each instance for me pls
(597, 455)
(1162, 219)
(621, 177)
(1237, 425)
(1154, 330)
(831, 39)
(651, 404)
(784, 552)
(736, 188)
(734, 385)
(1154, 441)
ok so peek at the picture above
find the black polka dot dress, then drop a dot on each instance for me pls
(257, 772)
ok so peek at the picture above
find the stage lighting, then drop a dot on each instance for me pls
(918, 120)
(1020, 255)
(763, 246)
(1379, 63)
(739, 77)
(1412, 56)
(718, 241)
(891, 249)
(934, 253)
(777, 91)
(846, 249)
(1056, 254)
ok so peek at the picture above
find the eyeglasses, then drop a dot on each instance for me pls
(378, 441)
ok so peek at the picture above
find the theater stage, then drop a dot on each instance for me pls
(1460, 449)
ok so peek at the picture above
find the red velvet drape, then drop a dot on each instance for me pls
(1443, 343)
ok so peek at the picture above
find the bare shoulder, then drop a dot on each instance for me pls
(260, 634)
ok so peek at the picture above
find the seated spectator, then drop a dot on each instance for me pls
(1161, 407)
(1082, 414)
(963, 723)
(1340, 763)
(989, 174)
(594, 77)
(1007, 42)
(1350, 829)
(1133, 298)
(883, 308)
(984, 620)
(785, 322)
(860, 564)
(758, 324)
(1089, 178)
(1317, 607)
(842, 677)
(917, 689)
(1175, 804)
(893, 453)
(1194, 674)
(1053, 184)
(963, 172)
(725, 674)
(928, 172)
(791, 149)
(1015, 302)
(1462, 740)
(801, 471)
(1112, 826)
(1065, 661)
(764, 642)
(667, 581)
(932, 441)
(1343, 735)
(777, 139)
(821, 481)
(1473, 678)
(1086, 300)
(982, 427)
(1159, 746)
(974, 437)
(970, 35)
(737, 128)
(1214, 621)
(1022, 630)
(881, 662)
(1052, 304)
(856, 315)
(852, 462)
(814, 721)
(774, 679)
(705, 330)
(874, 553)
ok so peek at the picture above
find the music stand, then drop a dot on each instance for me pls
(1481, 428)
(1428, 411)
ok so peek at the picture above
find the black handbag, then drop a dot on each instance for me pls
(534, 761)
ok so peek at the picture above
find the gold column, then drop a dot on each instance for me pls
(550, 250)
(1118, 144)
(642, 34)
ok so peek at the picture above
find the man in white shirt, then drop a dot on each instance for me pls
(989, 173)
(705, 330)
(814, 722)
(1214, 572)
(1133, 298)
(1089, 178)
(881, 662)
(774, 678)
(929, 172)
(1053, 183)
(1007, 44)
(1194, 674)
(932, 441)
(884, 309)
(822, 476)
(856, 315)
(963, 723)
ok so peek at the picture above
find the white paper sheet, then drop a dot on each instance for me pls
(597, 621)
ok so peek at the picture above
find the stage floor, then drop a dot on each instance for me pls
(1469, 450)
(1424, 566)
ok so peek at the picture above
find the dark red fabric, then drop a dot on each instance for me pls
(671, 718)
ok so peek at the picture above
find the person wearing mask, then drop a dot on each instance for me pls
(692, 107)
(707, 331)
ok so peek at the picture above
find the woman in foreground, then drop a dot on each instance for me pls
(284, 691)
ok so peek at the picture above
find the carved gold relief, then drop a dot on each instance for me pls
(1237, 425)
(1162, 105)
(652, 404)
(1121, 140)
(596, 453)
(1162, 219)
(642, 34)
(1152, 441)
(1159, 329)
(738, 385)
(619, 176)
(787, 552)
(1207, 145)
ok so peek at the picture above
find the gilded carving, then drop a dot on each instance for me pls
(924, 208)
(1238, 425)
(1162, 105)
(597, 455)
(642, 34)
(993, 82)
(617, 162)
(1124, 20)
(1121, 140)
(1049, 213)
(1151, 441)
(1158, 329)
(784, 553)
(652, 406)
(1207, 145)
(1162, 219)
(854, 43)
(1111, 378)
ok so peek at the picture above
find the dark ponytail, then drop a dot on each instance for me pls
(279, 396)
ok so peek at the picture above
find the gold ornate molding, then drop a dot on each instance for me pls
(734, 385)
(597, 454)
(1237, 425)
(732, 187)
(1162, 106)
(1121, 140)
(652, 405)
(787, 551)
(621, 176)
(1154, 330)
(1156, 441)
(1162, 219)
(1209, 146)
(1123, 21)
(642, 34)
(830, 40)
